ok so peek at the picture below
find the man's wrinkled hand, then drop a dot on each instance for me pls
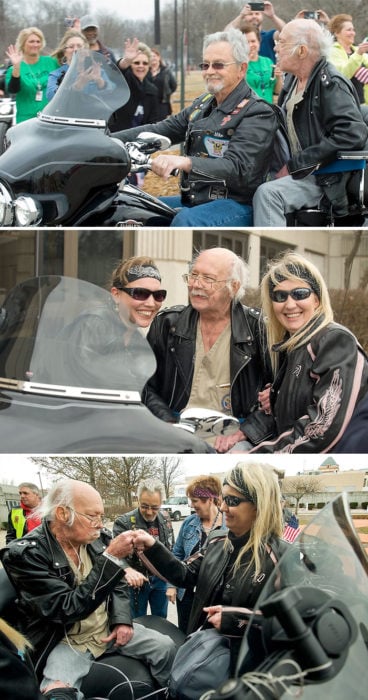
(120, 635)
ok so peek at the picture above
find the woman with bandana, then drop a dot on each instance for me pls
(235, 564)
(114, 332)
(204, 493)
(320, 369)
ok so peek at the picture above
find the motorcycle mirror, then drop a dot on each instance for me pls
(207, 423)
(160, 143)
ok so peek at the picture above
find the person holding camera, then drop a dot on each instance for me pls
(253, 13)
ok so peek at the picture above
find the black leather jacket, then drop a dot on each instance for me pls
(215, 584)
(326, 121)
(49, 600)
(315, 393)
(230, 145)
(172, 336)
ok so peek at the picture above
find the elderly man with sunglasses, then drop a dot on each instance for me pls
(322, 116)
(147, 588)
(228, 135)
(73, 600)
(210, 353)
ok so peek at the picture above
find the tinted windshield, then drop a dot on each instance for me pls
(326, 561)
(92, 88)
(63, 331)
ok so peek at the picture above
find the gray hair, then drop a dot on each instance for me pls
(309, 33)
(28, 485)
(152, 486)
(60, 494)
(236, 39)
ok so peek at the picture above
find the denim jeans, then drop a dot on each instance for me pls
(220, 212)
(68, 665)
(152, 592)
(274, 199)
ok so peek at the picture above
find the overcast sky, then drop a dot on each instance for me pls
(17, 468)
(140, 9)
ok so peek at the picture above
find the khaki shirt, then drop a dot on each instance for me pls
(86, 634)
(211, 377)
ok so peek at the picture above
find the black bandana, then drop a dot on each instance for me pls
(299, 272)
(137, 272)
(235, 479)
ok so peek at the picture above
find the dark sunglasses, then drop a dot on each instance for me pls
(142, 294)
(140, 63)
(234, 501)
(298, 294)
(216, 65)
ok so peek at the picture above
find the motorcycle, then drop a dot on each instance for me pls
(72, 373)
(308, 636)
(64, 168)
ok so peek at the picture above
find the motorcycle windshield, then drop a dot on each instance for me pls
(326, 566)
(93, 88)
(63, 332)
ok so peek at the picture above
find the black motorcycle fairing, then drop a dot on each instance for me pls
(65, 156)
(134, 207)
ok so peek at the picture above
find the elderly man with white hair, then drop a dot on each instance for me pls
(210, 353)
(73, 599)
(322, 116)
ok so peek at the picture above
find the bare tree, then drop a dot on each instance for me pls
(169, 469)
(299, 486)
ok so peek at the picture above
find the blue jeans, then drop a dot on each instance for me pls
(152, 592)
(220, 212)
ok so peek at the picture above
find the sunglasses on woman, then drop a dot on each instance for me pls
(142, 294)
(298, 294)
(234, 501)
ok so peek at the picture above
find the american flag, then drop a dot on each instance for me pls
(291, 530)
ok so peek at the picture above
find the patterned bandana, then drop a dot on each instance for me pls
(137, 272)
(235, 479)
(203, 493)
(300, 272)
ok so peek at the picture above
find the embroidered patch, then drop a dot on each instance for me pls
(216, 148)
(226, 403)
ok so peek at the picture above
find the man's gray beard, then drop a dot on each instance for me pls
(214, 89)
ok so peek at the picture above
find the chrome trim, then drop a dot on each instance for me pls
(70, 391)
(74, 121)
(7, 203)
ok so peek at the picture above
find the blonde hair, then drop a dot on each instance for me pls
(143, 48)
(69, 34)
(24, 34)
(15, 637)
(261, 483)
(294, 267)
(337, 22)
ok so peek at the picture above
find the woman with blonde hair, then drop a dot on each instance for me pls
(235, 565)
(27, 76)
(204, 493)
(349, 58)
(71, 41)
(320, 369)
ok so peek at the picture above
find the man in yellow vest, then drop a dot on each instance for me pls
(22, 518)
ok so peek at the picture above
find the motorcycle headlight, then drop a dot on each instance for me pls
(6, 207)
(5, 108)
(28, 212)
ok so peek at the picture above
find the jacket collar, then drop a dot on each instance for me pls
(186, 325)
